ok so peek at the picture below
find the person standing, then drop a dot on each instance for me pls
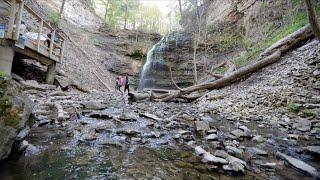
(127, 84)
(118, 85)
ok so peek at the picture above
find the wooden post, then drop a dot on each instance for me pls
(39, 34)
(51, 43)
(18, 21)
(11, 20)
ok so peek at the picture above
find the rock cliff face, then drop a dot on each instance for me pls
(93, 49)
(15, 110)
(229, 29)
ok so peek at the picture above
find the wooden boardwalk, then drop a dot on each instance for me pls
(40, 47)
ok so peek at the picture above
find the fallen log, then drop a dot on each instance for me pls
(269, 56)
(289, 42)
(226, 80)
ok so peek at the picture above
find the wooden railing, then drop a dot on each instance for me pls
(37, 25)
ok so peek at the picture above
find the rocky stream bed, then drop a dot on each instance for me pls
(266, 127)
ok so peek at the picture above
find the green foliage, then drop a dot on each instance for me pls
(2, 74)
(294, 20)
(137, 53)
(309, 113)
(54, 18)
(168, 154)
(293, 107)
(11, 118)
(140, 17)
(8, 114)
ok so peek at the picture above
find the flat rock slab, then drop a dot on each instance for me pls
(299, 165)
(314, 150)
(257, 151)
(209, 158)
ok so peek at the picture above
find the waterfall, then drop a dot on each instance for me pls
(154, 58)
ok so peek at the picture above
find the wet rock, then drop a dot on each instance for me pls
(238, 133)
(192, 144)
(316, 73)
(209, 158)
(93, 105)
(257, 151)
(314, 150)
(128, 132)
(221, 153)
(32, 84)
(302, 125)
(199, 151)
(173, 124)
(228, 157)
(22, 134)
(234, 166)
(293, 136)
(32, 150)
(184, 132)
(100, 115)
(44, 122)
(23, 146)
(202, 126)
(187, 117)
(212, 131)
(270, 165)
(258, 139)
(88, 137)
(299, 165)
(151, 116)
(212, 137)
(234, 150)
(153, 135)
(129, 117)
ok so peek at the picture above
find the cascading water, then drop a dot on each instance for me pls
(155, 72)
(154, 62)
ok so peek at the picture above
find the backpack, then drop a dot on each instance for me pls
(121, 81)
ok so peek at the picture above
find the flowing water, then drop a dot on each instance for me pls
(153, 63)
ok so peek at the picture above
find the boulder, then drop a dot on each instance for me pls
(257, 151)
(299, 165)
(93, 105)
(202, 126)
(212, 137)
(209, 158)
(315, 150)
(199, 151)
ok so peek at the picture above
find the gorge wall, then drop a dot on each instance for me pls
(231, 30)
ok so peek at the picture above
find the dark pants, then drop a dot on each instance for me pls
(118, 88)
(126, 87)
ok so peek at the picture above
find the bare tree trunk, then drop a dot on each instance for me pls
(62, 7)
(106, 13)
(180, 8)
(312, 14)
(126, 15)
(195, 73)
